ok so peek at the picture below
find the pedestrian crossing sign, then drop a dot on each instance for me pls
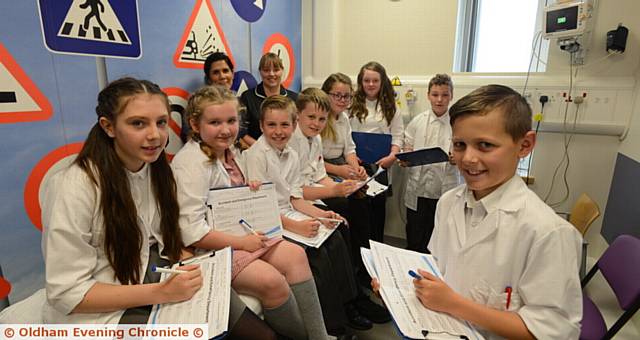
(91, 27)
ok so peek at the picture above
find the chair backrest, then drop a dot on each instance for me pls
(584, 212)
(620, 266)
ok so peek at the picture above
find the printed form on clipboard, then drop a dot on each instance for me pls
(210, 304)
(374, 188)
(391, 266)
(257, 209)
(323, 232)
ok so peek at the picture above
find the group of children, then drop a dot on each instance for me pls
(120, 207)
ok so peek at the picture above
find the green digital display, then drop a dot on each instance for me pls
(562, 20)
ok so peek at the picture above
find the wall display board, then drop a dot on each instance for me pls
(47, 104)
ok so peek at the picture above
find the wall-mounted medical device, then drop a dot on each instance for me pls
(566, 19)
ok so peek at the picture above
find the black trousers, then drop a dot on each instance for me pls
(420, 224)
(358, 212)
(333, 272)
(378, 204)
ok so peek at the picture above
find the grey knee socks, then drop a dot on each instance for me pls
(309, 304)
(286, 320)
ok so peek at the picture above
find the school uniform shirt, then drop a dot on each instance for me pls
(343, 145)
(424, 131)
(195, 174)
(309, 150)
(515, 240)
(267, 164)
(252, 99)
(73, 241)
(376, 123)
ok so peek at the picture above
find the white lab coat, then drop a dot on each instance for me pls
(195, 174)
(267, 164)
(343, 145)
(73, 242)
(376, 123)
(433, 180)
(522, 244)
(309, 152)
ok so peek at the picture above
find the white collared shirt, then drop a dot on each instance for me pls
(343, 145)
(427, 130)
(309, 150)
(375, 122)
(73, 241)
(521, 243)
(267, 164)
(195, 174)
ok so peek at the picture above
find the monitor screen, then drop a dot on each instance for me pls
(563, 19)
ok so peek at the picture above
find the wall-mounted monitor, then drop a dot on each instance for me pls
(566, 19)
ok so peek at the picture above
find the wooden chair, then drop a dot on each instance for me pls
(582, 215)
(584, 212)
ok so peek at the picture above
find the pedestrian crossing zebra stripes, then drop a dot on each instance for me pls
(70, 29)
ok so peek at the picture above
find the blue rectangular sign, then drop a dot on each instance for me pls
(91, 27)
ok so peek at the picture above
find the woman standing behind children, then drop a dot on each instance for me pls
(261, 267)
(374, 111)
(113, 214)
(271, 68)
(426, 183)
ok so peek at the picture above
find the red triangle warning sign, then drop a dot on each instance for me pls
(202, 36)
(20, 98)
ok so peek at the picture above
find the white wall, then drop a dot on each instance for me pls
(415, 39)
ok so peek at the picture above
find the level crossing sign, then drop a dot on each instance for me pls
(107, 28)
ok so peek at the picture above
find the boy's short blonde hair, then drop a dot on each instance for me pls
(313, 95)
(270, 59)
(278, 102)
(515, 109)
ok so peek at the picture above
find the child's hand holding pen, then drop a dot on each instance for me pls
(344, 188)
(330, 219)
(182, 285)
(432, 292)
(254, 241)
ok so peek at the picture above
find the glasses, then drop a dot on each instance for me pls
(340, 97)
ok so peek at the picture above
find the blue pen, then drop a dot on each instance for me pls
(415, 275)
(247, 226)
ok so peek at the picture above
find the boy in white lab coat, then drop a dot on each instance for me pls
(509, 262)
(426, 183)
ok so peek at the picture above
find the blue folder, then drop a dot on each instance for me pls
(370, 147)
(423, 156)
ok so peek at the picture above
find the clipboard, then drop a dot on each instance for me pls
(370, 147)
(412, 321)
(227, 206)
(423, 156)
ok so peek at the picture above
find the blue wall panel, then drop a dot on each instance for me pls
(70, 85)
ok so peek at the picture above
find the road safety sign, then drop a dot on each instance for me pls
(91, 27)
(202, 36)
(242, 81)
(249, 10)
(20, 98)
(280, 45)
